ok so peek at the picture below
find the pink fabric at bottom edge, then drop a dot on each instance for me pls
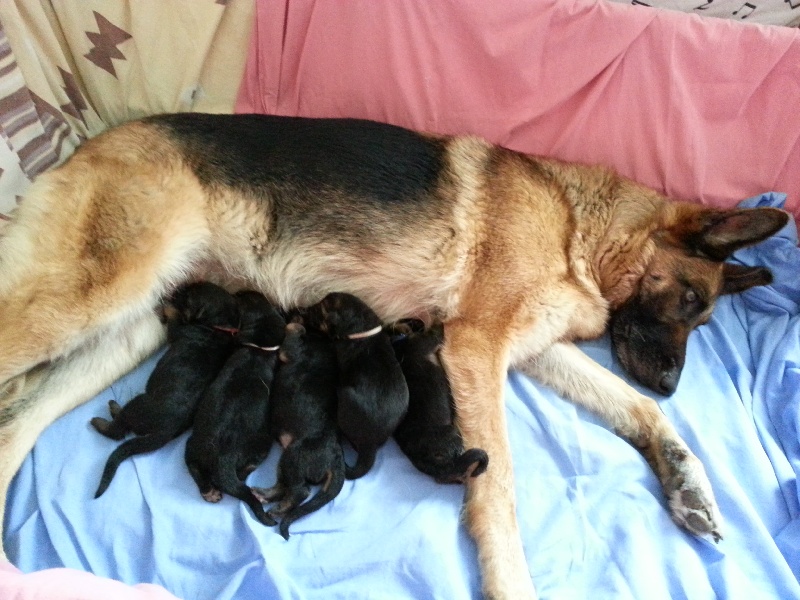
(70, 584)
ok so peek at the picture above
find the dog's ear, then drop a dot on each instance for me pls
(717, 234)
(738, 278)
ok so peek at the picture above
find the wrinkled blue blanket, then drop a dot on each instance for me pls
(592, 514)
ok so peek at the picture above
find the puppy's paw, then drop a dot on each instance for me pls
(212, 495)
(266, 495)
(691, 500)
(100, 424)
(114, 408)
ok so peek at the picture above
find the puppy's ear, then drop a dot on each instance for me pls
(717, 234)
(737, 278)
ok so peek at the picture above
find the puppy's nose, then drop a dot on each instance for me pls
(669, 381)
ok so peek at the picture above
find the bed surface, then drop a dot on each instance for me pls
(591, 511)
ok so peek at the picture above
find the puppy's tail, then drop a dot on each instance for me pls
(330, 489)
(137, 445)
(471, 463)
(364, 462)
(230, 484)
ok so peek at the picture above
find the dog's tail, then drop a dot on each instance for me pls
(330, 489)
(137, 445)
(364, 462)
(230, 484)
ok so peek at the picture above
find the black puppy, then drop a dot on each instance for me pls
(230, 437)
(372, 392)
(202, 319)
(302, 419)
(427, 434)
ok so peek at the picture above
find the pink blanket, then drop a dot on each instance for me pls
(71, 584)
(701, 109)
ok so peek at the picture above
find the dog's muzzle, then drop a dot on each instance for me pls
(651, 351)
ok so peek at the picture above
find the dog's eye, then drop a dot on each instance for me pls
(690, 296)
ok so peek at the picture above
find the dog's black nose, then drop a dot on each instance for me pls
(669, 381)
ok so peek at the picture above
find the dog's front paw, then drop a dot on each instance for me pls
(691, 500)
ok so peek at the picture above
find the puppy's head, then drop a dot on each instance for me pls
(261, 322)
(680, 284)
(343, 314)
(418, 345)
(204, 303)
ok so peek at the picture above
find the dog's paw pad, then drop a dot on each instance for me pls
(100, 424)
(212, 496)
(261, 494)
(693, 507)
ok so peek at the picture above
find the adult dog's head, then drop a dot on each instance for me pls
(680, 283)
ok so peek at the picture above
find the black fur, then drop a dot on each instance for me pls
(427, 434)
(368, 161)
(372, 392)
(196, 354)
(302, 419)
(230, 436)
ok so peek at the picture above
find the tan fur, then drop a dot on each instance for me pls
(518, 256)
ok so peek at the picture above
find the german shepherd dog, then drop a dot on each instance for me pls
(518, 256)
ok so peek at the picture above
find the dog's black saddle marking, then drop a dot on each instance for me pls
(365, 160)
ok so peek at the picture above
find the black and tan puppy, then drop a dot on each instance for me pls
(230, 437)
(303, 420)
(372, 392)
(202, 319)
(427, 434)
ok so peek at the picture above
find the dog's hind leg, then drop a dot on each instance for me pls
(95, 243)
(476, 362)
(117, 427)
(639, 420)
(30, 402)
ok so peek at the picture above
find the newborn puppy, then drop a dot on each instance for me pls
(230, 437)
(202, 319)
(302, 419)
(427, 434)
(372, 392)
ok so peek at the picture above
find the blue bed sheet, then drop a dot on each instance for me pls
(592, 514)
